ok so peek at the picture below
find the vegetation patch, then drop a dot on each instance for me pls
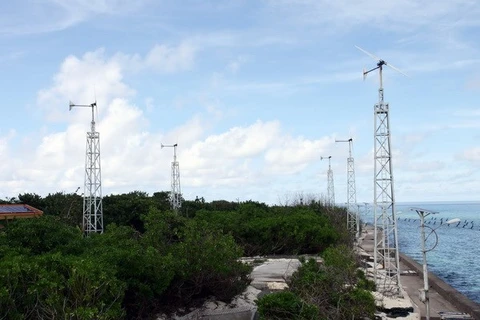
(151, 260)
(334, 289)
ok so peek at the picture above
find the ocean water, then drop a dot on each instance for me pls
(455, 258)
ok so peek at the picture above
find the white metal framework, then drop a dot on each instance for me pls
(176, 193)
(386, 255)
(330, 185)
(92, 194)
(353, 221)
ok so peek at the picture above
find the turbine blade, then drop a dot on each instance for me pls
(368, 53)
(396, 69)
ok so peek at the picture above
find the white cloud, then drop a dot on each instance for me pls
(412, 139)
(234, 65)
(167, 59)
(473, 83)
(81, 7)
(292, 154)
(149, 104)
(472, 154)
(426, 166)
(241, 142)
(189, 132)
(226, 158)
(131, 156)
(97, 76)
(6, 165)
(32, 17)
(467, 112)
(129, 152)
(161, 58)
(248, 155)
(82, 80)
(403, 15)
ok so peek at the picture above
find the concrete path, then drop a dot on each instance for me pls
(270, 275)
(412, 281)
(273, 273)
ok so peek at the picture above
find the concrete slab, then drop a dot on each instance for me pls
(273, 273)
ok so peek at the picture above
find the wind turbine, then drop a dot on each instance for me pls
(386, 255)
(176, 193)
(353, 221)
(92, 195)
(330, 186)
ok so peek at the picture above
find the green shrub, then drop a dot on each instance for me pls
(333, 286)
(364, 283)
(207, 264)
(263, 230)
(285, 305)
(358, 303)
(153, 257)
(53, 286)
(127, 209)
(163, 229)
(146, 273)
(206, 260)
(42, 235)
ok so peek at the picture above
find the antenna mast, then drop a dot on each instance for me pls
(330, 186)
(176, 193)
(386, 255)
(92, 195)
(353, 221)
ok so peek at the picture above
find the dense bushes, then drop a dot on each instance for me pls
(46, 275)
(151, 260)
(263, 230)
(333, 288)
(50, 271)
(286, 305)
(206, 260)
(37, 236)
(145, 272)
(53, 286)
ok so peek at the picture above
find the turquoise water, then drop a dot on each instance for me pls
(456, 257)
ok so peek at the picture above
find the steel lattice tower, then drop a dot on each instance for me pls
(176, 193)
(386, 255)
(353, 221)
(92, 194)
(330, 185)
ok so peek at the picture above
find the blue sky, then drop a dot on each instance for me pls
(253, 92)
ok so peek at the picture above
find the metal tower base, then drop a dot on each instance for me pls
(386, 255)
(92, 200)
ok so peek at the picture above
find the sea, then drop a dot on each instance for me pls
(454, 254)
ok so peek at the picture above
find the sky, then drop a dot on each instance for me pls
(254, 92)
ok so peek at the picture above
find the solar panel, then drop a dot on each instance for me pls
(14, 209)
